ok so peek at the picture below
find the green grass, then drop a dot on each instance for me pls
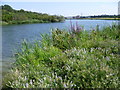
(23, 22)
(3, 23)
(68, 59)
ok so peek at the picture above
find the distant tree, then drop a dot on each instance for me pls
(21, 10)
(9, 15)
(7, 7)
(20, 16)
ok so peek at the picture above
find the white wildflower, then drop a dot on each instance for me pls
(27, 85)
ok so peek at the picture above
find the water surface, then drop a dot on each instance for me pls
(12, 35)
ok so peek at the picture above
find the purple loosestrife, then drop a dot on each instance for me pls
(75, 29)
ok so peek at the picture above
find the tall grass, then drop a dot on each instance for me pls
(68, 59)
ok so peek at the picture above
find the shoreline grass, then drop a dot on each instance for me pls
(101, 18)
(25, 22)
(41, 21)
(68, 59)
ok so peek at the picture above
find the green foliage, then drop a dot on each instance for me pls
(68, 60)
(12, 16)
(7, 8)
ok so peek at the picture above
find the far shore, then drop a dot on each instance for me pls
(5, 23)
(23, 22)
(99, 18)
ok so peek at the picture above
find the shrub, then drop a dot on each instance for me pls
(68, 60)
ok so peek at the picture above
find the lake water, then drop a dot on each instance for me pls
(12, 35)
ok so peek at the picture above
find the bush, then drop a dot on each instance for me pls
(68, 60)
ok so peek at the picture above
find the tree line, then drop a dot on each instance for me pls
(12, 16)
(95, 16)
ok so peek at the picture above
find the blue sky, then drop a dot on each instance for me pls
(67, 8)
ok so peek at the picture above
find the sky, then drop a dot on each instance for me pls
(66, 7)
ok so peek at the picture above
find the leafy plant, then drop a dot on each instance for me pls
(68, 60)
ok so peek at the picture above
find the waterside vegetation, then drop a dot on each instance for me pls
(96, 17)
(12, 16)
(68, 59)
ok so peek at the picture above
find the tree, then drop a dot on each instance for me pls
(7, 7)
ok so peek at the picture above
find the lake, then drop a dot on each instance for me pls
(13, 35)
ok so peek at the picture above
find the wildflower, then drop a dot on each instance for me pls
(31, 82)
(27, 85)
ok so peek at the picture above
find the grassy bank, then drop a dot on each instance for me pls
(102, 18)
(68, 59)
(3, 23)
(12, 16)
(24, 22)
